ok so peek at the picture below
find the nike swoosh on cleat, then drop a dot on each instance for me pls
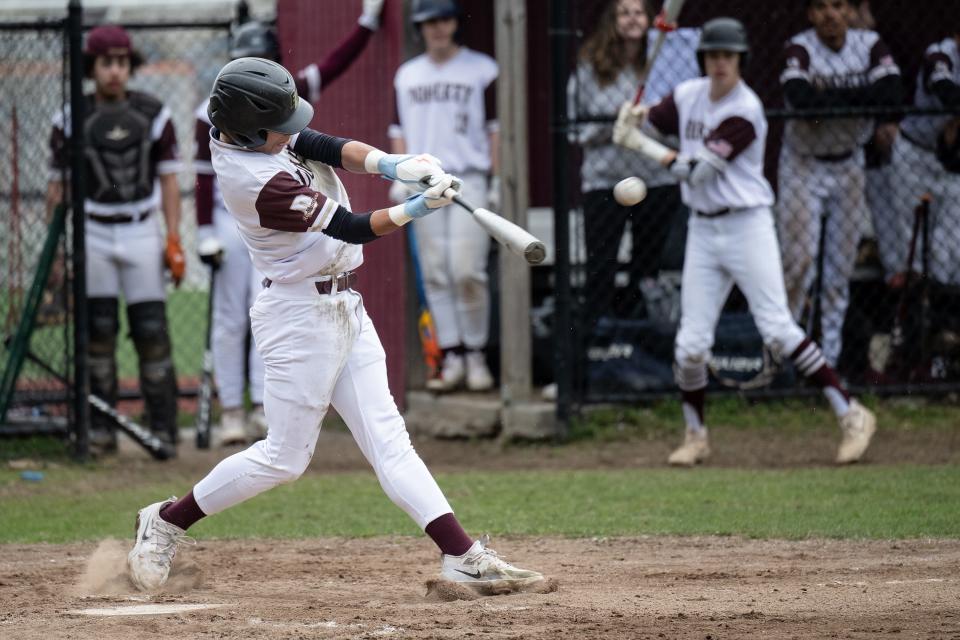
(475, 576)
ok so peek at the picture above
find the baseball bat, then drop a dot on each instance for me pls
(514, 237)
(665, 22)
(897, 333)
(426, 329)
(205, 395)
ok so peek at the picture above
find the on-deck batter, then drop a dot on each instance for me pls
(319, 347)
(730, 239)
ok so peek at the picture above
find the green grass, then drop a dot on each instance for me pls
(860, 502)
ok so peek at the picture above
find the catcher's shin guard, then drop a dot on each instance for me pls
(158, 382)
(102, 314)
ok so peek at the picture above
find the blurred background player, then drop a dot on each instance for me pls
(235, 355)
(607, 74)
(730, 237)
(821, 170)
(319, 346)
(446, 106)
(131, 172)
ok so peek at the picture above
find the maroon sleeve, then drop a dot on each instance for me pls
(936, 66)
(302, 84)
(665, 117)
(201, 132)
(348, 50)
(490, 101)
(165, 147)
(284, 204)
(730, 138)
(58, 149)
(203, 192)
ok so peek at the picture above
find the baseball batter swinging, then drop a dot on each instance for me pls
(731, 238)
(319, 347)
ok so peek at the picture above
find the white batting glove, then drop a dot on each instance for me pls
(210, 250)
(409, 169)
(399, 192)
(493, 193)
(629, 119)
(370, 18)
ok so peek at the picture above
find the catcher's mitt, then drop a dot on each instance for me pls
(948, 146)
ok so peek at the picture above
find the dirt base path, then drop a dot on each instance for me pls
(608, 588)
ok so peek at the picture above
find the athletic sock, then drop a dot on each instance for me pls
(692, 407)
(810, 361)
(183, 513)
(447, 533)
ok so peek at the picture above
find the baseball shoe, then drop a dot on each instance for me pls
(257, 423)
(858, 425)
(156, 545)
(233, 429)
(452, 374)
(695, 448)
(478, 374)
(481, 568)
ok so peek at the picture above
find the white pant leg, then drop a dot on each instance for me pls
(231, 309)
(705, 285)
(798, 211)
(845, 225)
(257, 372)
(753, 259)
(139, 253)
(453, 258)
(103, 272)
(362, 398)
(305, 340)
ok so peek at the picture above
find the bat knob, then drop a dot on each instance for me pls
(535, 253)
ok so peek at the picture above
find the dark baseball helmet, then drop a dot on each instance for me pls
(252, 96)
(254, 39)
(723, 34)
(424, 10)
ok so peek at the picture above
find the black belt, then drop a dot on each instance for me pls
(120, 219)
(835, 157)
(712, 214)
(347, 280)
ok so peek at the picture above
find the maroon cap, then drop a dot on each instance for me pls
(108, 39)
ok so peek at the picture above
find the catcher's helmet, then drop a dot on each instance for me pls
(254, 39)
(252, 96)
(424, 10)
(723, 34)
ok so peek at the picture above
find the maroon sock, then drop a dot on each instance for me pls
(810, 361)
(447, 533)
(696, 399)
(183, 513)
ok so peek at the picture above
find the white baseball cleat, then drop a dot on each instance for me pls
(156, 545)
(233, 428)
(858, 425)
(479, 377)
(452, 374)
(695, 448)
(482, 568)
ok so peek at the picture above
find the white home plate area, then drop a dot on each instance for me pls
(143, 609)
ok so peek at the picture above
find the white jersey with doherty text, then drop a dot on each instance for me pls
(863, 59)
(441, 109)
(941, 61)
(733, 128)
(281, 203)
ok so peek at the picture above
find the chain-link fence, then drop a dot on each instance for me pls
(859, 97)
(180, 63)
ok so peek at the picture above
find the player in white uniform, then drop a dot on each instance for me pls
(821, 168)
(916, 169)
(131, 177)
(731, 237)
(319, 347)
(237, 282)
(446, 106)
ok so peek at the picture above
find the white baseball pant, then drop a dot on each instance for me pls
(237, 286)
(453, 258)
(737, 248)
(808, 188)
(321, 351)
(126, 258)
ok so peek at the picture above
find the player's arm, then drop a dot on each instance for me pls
(203, 188)
(168, 166)
(315, 77)
(884, 88)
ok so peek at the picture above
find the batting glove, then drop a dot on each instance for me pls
(493, 193)
(409, 169)
(434, 197)
(398, 192)
(174, 259)
(370, 18)
(211, 252)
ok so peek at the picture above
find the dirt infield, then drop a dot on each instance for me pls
(608, 588)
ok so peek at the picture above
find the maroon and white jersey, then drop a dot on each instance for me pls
(733, 128)
(863, 59)
(940, 62)
(281, 203)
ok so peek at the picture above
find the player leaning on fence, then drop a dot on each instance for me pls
(131, 171)
(730, 239)
(319, 346)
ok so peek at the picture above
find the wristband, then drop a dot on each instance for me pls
(372, 161)
(398, 214)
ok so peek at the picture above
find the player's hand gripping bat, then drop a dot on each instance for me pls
(665, 22)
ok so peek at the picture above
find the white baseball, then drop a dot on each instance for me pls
(630, 191)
